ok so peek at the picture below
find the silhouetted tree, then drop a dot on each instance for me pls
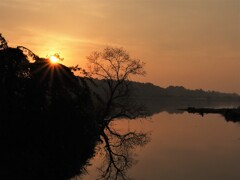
(47, 130)
(114, 67)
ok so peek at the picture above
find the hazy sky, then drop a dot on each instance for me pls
(193, 43)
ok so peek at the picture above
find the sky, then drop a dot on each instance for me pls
(190, 43)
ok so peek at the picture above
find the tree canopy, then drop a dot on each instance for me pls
(114, 67)
(47, 130)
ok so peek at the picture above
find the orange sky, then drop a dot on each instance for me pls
(193, 43)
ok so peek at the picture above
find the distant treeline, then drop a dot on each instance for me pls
(150, 91)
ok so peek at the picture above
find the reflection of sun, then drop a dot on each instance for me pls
(54, 59)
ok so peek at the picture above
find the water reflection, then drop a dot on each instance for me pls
(118, 152)
(187, 146)
(179, 145)
(51, 155)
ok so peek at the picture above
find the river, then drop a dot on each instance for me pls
(180, 146)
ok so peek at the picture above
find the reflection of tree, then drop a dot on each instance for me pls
(118, 152)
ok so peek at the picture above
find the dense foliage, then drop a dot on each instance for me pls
(46, 128)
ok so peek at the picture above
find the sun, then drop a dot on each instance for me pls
(53, 59)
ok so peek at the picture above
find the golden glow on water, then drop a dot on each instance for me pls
(184, 146)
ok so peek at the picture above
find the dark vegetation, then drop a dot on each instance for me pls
(157, 99)
(151, 91)
(152, 99)
(46, 129)
(52, 120)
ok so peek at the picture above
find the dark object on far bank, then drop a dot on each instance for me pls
(230, 114)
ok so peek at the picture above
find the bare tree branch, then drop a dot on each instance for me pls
(115, 67)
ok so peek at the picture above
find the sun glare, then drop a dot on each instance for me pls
(54, 59)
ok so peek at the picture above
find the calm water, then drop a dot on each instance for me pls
(182, 146)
